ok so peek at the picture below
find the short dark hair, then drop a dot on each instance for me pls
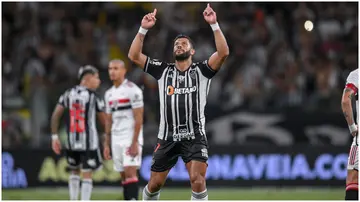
(87, 69)
(186, 37)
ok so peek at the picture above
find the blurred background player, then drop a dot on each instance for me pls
(351, 93)
(82, 146)
(124, 120)
(183, 89)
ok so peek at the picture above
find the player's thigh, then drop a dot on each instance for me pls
(73, 159)
(194, 152)
(118, 152)
(165, 156)
(353, 165)
(132, 163)
(91, 161)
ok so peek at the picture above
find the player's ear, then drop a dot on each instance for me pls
(192, 51)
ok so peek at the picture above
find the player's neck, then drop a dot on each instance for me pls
(183, 65)
(84, 84)
(117, 83)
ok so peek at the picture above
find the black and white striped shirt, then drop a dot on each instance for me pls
(182, 98)
(82, 105)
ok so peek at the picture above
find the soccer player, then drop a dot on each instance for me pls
(82, 146)
(124, 119)
(183, 89)
(350, 93)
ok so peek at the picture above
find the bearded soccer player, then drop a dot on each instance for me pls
(82, 153)
(350, 93)
(183, 89)
(124, 112)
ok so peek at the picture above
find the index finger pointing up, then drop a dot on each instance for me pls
(208, 5)
(155, 10)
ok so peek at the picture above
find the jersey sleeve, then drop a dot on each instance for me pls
(154, 67)
(100, 106)
(63, 100)
(352, 81)
(107, 103)
(136, 98)
(206, 69)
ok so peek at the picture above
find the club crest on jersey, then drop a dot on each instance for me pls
(171, 74)
(192, 74)
(180, 91)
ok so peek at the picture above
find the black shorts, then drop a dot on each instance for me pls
(86, 160)
(166, 153)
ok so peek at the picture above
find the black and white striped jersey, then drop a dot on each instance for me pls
(82, 105)
(182, 98)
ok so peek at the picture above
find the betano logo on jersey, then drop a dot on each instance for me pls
(180, 91)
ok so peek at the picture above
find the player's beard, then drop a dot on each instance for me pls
(182, 56)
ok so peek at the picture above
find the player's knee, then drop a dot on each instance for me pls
(87, 175)
(155, 184)
(130, 172)
(352, 176)
(197, 180)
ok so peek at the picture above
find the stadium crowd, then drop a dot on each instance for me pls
(274, 62)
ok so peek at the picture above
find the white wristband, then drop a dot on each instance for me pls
(353, 127)
(143, 31)
(215, 26)
(54, 137)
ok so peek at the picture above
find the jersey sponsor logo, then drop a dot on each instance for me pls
(183, 134)
(154, 62)
(180, 136)
(180, 91)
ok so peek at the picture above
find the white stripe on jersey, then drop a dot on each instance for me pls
(162, 95)
(203, 91)
(191, 125)
(173, 102)
(187, 107)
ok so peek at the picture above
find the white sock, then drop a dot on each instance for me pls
(86, 188)
(74, 186)
(147, 196)
(195, 196)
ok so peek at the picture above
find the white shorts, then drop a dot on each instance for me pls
(122, 159)
(353, 160)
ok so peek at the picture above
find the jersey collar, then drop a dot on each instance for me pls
(122, 84)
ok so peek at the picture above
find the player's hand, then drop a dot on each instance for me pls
(56, 146)
(106, 152)
(209, 15)
(355, 133)
(149, 20)
(134, 149)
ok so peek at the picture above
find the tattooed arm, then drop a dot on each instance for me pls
(347, 109)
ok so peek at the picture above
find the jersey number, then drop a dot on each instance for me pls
(77, 120)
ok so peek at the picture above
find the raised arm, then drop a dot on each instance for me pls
(222, 49)
(135, 51)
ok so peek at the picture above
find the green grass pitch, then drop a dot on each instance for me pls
(184, 194)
